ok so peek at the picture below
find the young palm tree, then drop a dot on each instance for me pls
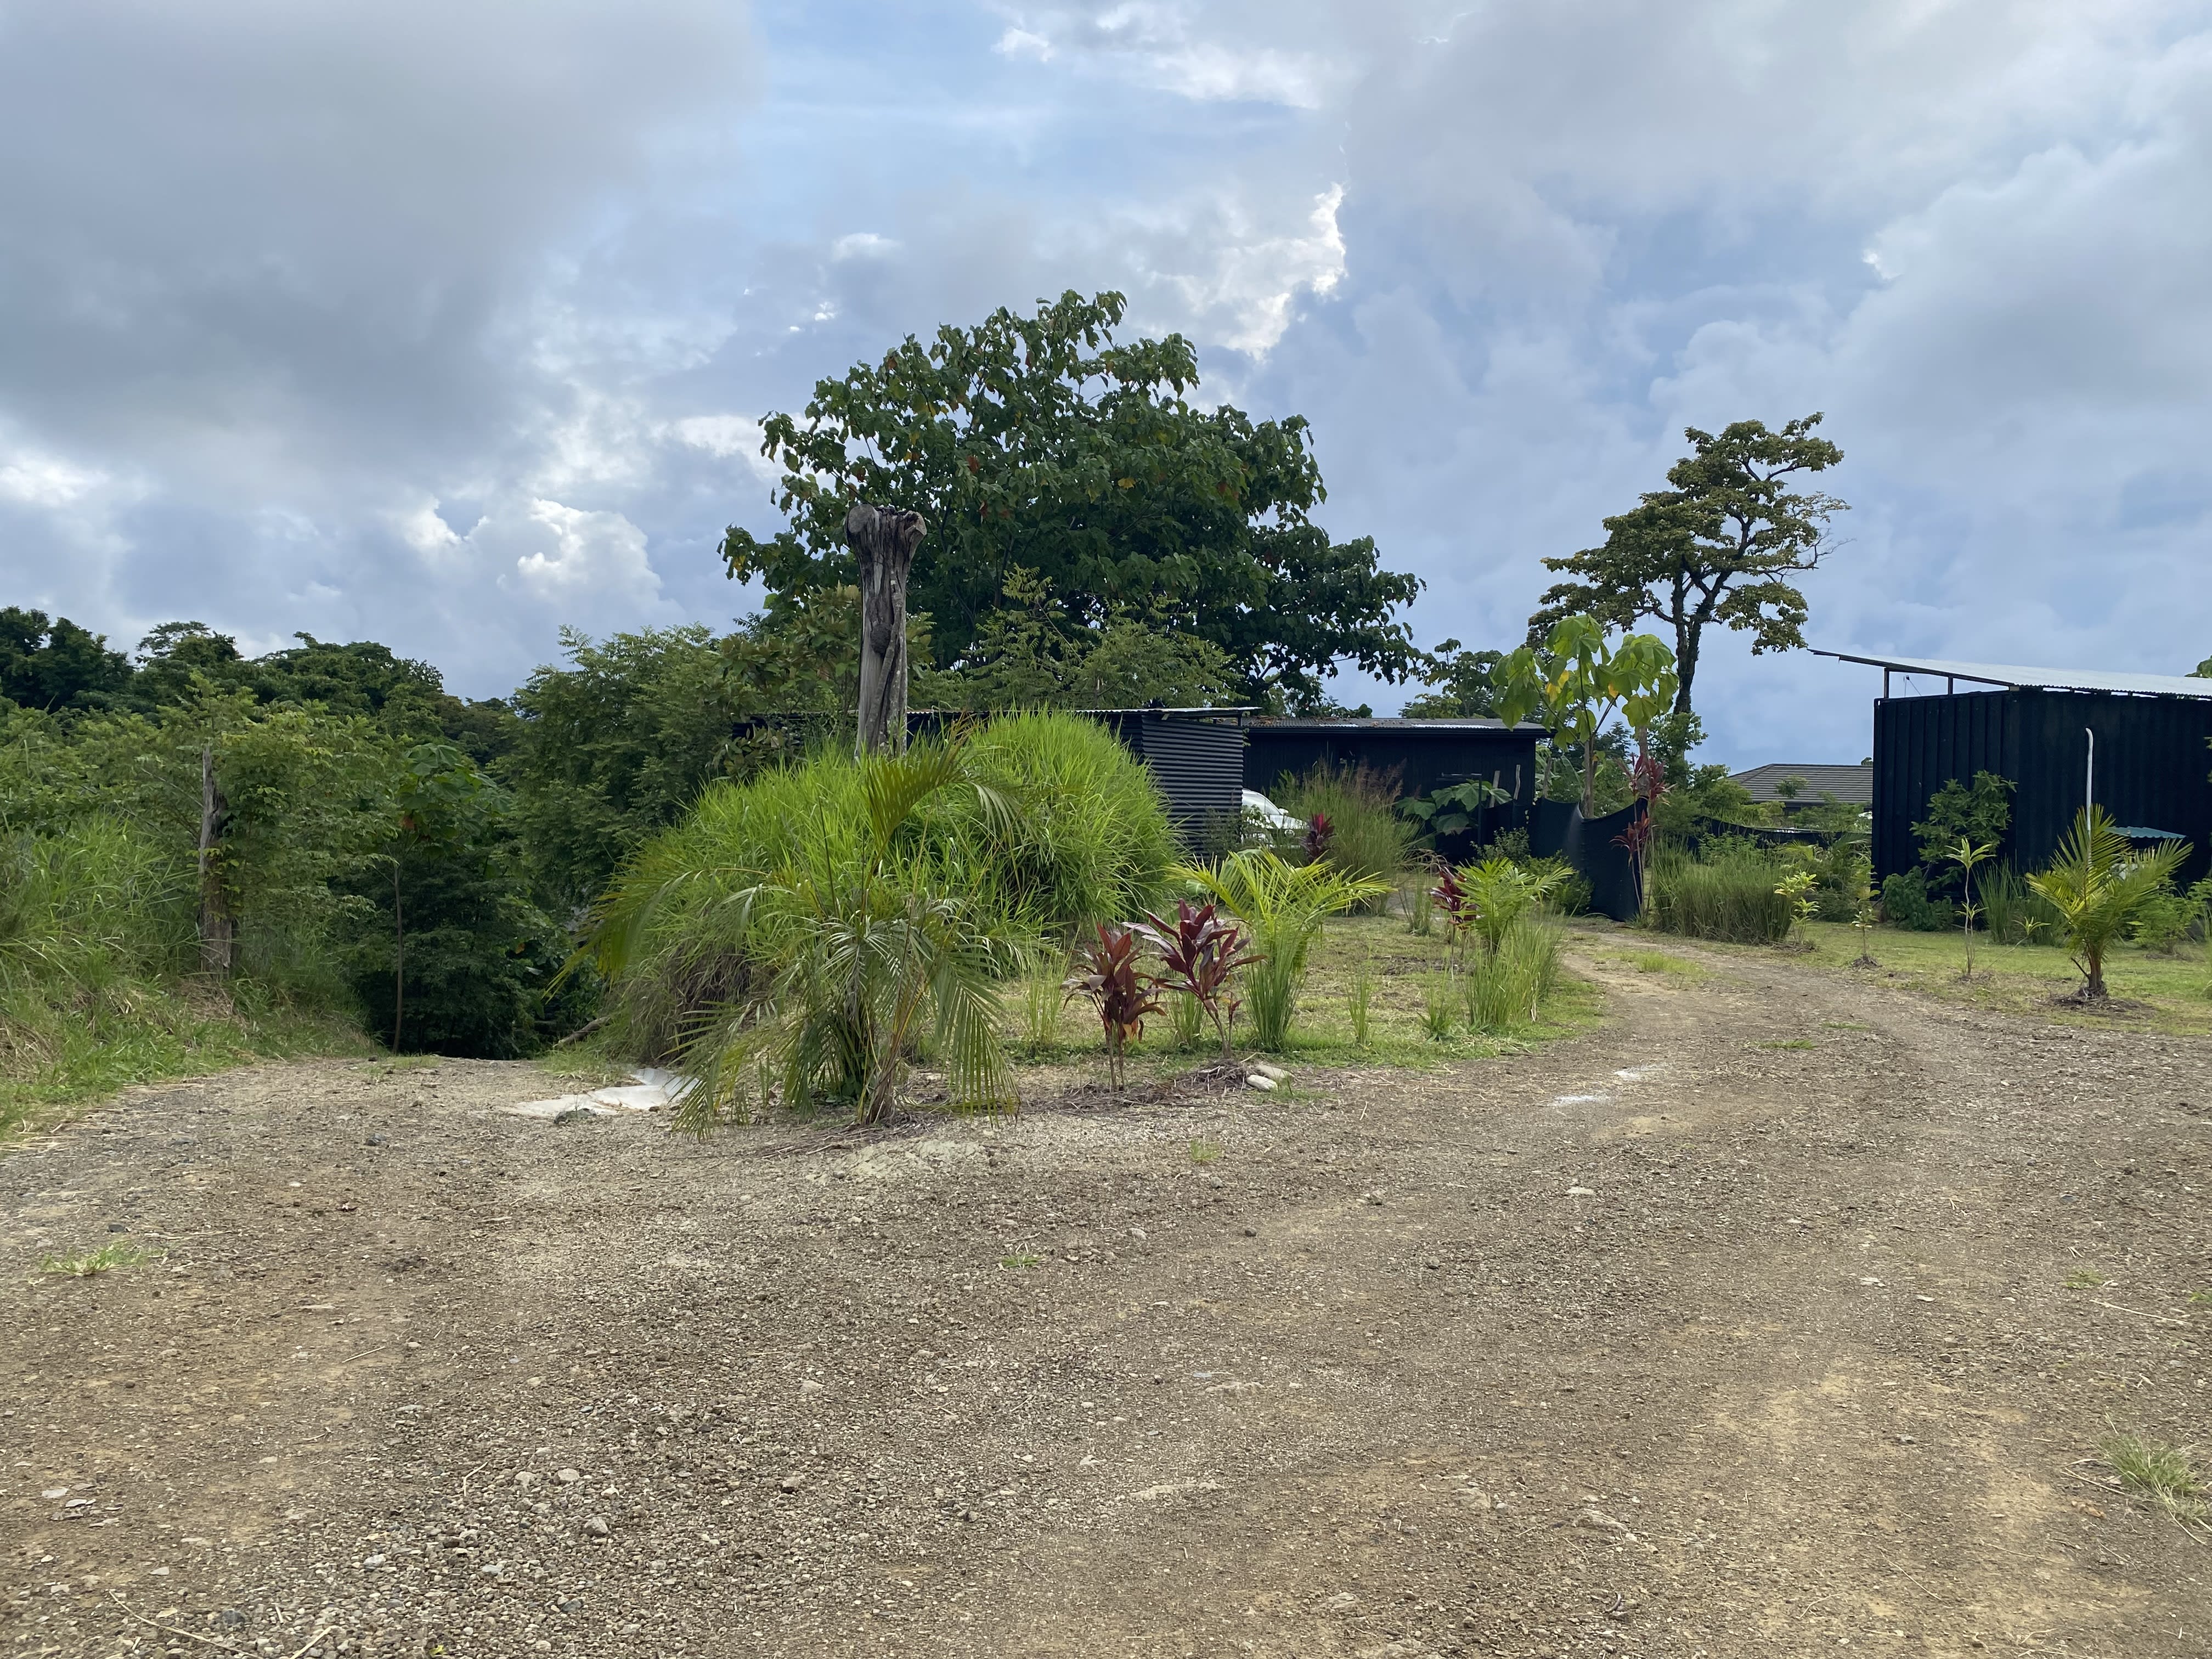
(1283, 905)
(858, 953)
(2096, 884)
(1969, 854)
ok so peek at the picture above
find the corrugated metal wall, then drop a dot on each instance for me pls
(2154, 767)
(1198, 764)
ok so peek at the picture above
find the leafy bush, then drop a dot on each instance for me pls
(2162, 922)
(1726, 891)
(1981, 812)
(1367, 837)
(1053, 825)
(1906, 903)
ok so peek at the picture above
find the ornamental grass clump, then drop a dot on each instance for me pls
(1352, 822)
(1730, 893)
(1506, 987)
(1283, 905)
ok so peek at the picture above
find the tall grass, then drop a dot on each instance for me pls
(96, 925)
(2014, 913)
(1506, 988)
(1055, 826)
(1727, 892)
(1367, 837)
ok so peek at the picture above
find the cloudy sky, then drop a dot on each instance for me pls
(446, 322)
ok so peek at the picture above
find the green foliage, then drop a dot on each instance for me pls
(1036, 443)
(1980, 813)
(1968, 855)
(2162, 922)
(1464, 685)
(2013, 912)
(1506, 987)
(54, 665)
(1108, 972)
(1082, 837)
(1906, 903)
(2098, 884)
(1367, 839)
(870, 938)
(1578, 682)
(1283, 905)
(1727, 890)
(1456, 810)
(1029, 655)
(613, 746)
(1720, 545)
(1707, 794)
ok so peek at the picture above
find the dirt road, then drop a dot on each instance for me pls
(1738, 1326)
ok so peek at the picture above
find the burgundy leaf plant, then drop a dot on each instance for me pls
(1200, 952)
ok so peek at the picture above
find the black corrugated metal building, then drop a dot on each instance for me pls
(2152, 768)
(1196, 756)
(1425, 754)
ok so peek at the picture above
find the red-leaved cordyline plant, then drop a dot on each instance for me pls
(1452, 898)
(1107, 972)
(1319, 833)
(1649, 782)
(1201, 953)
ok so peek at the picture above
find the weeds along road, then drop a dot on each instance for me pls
(1737, 1326)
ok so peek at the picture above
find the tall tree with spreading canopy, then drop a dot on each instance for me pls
(1720, 545)
(1035, 443)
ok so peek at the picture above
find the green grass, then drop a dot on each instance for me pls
(2163, 993)
(2084, 1279)
(1019, 1261)
(2166, 1476)
(1658, 962)
(1792, 1042)
(86, 1264)
(1203, 1151)
(54, 1058)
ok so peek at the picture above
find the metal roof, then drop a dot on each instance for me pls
(1852, 785)
(1390, 723)
(2060, 679)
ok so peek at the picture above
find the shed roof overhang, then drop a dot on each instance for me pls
(2055, 679)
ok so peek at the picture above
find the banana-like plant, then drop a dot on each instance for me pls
(1578, 682)
(2096, 884)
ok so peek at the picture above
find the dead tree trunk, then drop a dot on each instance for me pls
(883, 539)
(218, 928)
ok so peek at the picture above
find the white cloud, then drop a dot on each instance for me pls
(601, 555)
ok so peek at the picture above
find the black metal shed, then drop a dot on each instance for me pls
(2136, 744)
(1426, 754)
(1196, 756)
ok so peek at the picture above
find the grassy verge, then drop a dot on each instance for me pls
(53, 1058)
(2164, 993)
(1398, 968)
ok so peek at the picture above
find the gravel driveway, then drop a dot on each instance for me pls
(1740, 1325)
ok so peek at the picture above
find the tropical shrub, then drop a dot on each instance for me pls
(1906, 903)
(1051, 826)
(1200, 955)
(869, 940)
(1108, 972)
(1726, 891)
(2098, 884)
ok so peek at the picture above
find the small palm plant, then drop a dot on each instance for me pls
(2096, 884)
(1499, 892)
(859, 948)
(1109, 971)
(1201, 951)
(1283, 905)
(1969, 855)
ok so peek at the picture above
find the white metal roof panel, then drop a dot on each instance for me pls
(2058, 679)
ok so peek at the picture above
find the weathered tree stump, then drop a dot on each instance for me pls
(883, 539)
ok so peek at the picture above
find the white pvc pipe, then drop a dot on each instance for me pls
(2089, 783)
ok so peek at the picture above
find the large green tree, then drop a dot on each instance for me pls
(1719, 544)
(1035, 443)
(56, 664)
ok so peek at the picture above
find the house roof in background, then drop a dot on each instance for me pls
(2060, 679)
(1852, 785)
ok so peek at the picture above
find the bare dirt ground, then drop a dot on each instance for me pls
(1662, 1340)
